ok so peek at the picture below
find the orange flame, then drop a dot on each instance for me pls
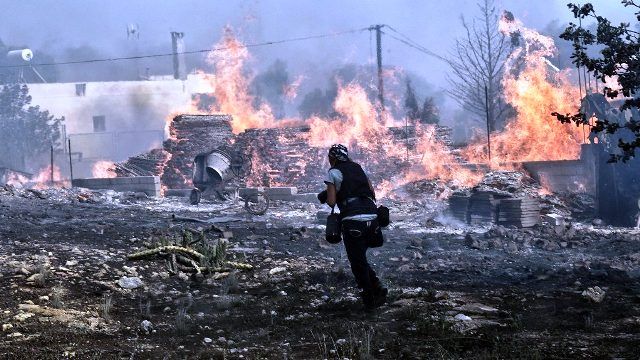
(530, 87)
(231, 86)
(103, 169)
(18, 180)
(534, 134)
(42, 179)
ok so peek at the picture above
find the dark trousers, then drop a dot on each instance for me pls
(357, 236)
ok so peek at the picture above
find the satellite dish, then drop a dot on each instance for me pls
(21, 55)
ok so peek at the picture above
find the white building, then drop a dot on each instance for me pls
(115, 120)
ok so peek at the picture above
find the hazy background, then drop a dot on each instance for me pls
(63, 30)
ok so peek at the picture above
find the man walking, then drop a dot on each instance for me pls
(349, 188)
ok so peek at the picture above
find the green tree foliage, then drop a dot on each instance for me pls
(430, 113)
(25, 131)
(618, 57)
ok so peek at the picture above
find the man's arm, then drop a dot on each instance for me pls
(331, 195)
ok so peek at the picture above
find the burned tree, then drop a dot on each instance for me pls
(430, 113)
(478, 62)
(411, 106)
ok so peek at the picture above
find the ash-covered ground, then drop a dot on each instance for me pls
(569, 291)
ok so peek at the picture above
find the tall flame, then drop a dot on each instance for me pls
(534, 92)
(231, 86)
(530, 87)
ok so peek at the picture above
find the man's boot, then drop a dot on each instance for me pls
(368, 299)
(379, 294)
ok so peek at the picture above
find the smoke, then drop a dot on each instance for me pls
(67, 30)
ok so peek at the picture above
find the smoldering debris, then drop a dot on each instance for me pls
(474, 281)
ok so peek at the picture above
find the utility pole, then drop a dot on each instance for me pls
(378, 30)
(70, 164)
(52, 179)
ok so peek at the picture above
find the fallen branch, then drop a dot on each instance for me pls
(183, 260)
(169, 248)
(206, 270)
(239, 266)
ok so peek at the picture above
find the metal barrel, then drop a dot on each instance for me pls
(218, 167)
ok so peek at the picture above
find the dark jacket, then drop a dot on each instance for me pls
(355, 196)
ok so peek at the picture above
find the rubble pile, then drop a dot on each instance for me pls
(279, 156)
(147, 164)
(189, 135)
(550, 238)
(73, 195)
(283, 157)
(409, 134)
(502, 197)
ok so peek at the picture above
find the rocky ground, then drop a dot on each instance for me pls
(570, 291)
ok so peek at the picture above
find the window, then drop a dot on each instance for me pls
(81, 89)
(99, 124)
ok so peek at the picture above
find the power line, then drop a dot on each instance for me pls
(409, 42)
(266, 43)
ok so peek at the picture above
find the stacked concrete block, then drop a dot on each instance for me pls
(274, 193)
(149, 185)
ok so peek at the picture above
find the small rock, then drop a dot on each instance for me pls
(597, 222)
(208, 340)
(71, 263)
(130, 282)
(462, 317)
(476, 308)
(23, 316)
(7, 327)
(36, 278)
(595, 294)
(441, 295)
(473, 241)
(416, 242)
(511, 247)
(570, 233)
(495, 243)
(277, 270)
(404, 268)
(146, 326)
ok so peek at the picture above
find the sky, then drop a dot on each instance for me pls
(54, 26)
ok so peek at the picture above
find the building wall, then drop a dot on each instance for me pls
(567, 175)
(134, 112)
